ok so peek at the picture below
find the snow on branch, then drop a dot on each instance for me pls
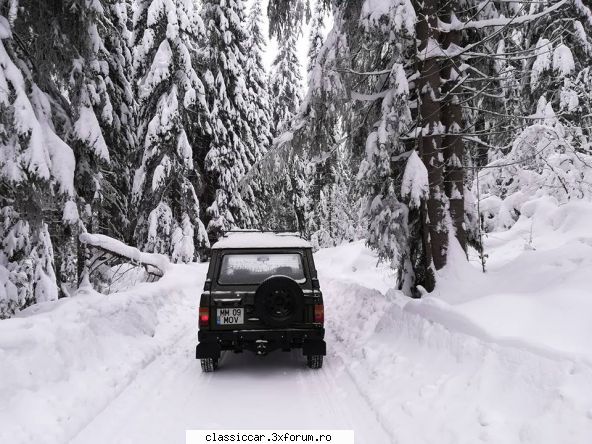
(584, 10)
(368, 97)
(433, 49)
(457, 25)
(118, 248)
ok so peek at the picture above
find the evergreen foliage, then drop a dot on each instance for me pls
(36, 176)
(425, 89)
(285, 84)
(233, 146)
(172, 107)
(423, 123)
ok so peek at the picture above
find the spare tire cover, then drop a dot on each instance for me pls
(279, 301)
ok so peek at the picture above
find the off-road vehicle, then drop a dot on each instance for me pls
(261, 294)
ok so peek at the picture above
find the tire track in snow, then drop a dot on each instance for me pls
(367, 400)
(171, 395)
(166, 353)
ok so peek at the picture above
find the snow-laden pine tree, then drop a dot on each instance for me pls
(285, 83)
(120, 131)
(359, 78)
(51, 60)
(258, 104)
(172, 107)
(552, 153)
(317, 34)
(256, 79)
(335, 217)
(104, 119)
(102, 106)
(285, 16)
(36, 174)
(524, 115)
(286, 95)
(233, 145)
(80, 57)
(393, 180)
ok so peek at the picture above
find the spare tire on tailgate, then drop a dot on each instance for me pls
(279, 301)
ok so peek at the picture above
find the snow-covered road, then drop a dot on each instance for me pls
(392, 374)
(121, 369)
(171, 395)
(276, 392)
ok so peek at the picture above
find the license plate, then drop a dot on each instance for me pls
(230, 316)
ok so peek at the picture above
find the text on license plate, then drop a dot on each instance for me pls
(230, 316)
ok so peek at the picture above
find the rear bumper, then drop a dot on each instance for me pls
(211, 343)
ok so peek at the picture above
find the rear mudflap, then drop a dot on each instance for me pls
(206, 350)
(314, 347)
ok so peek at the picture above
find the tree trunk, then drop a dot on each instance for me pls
(453, 147)
(430, 142)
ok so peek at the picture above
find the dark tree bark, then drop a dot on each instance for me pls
(452, 144)
(435, 233)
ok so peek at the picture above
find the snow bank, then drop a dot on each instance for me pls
(63, 362)
(536, 291)
(499, 358)
(354, 263)
(435, 373)
(429, 383)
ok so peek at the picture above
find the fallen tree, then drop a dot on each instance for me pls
(104, 251)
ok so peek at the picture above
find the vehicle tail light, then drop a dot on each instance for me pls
(204, 316)
(319, 313)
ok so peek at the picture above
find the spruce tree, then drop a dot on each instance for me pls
(259, 107)
(104, 113)
(285, 84)
(258, 103)
(286, 95)
(118, 125)
(358, 79)
(36, 174)
(286, 16)
(316, 37)
(233, 145)
(84, 69)
(172, 106)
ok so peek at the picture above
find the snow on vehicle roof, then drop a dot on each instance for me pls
(261, 240)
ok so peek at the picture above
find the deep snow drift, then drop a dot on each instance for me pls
(501, 357)
(537, 291)
(62, 362)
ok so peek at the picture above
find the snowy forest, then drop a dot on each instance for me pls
(418, 126)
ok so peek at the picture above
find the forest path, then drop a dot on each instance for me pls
(397, 371)
(171, 395)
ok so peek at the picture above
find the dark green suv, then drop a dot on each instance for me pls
(261, 294)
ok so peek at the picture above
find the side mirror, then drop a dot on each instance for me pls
(207, 285)
(315, 284)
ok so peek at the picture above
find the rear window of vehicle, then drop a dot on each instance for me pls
(252, 269)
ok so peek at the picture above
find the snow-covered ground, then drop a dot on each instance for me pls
(537, 292)
(501, 357)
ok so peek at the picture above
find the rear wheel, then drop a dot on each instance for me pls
(314, 361)
(208, 365)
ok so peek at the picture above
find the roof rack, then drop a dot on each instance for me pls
(254, 230)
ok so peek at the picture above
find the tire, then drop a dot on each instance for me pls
(208, 365)
(279, 301)
(314, 361)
